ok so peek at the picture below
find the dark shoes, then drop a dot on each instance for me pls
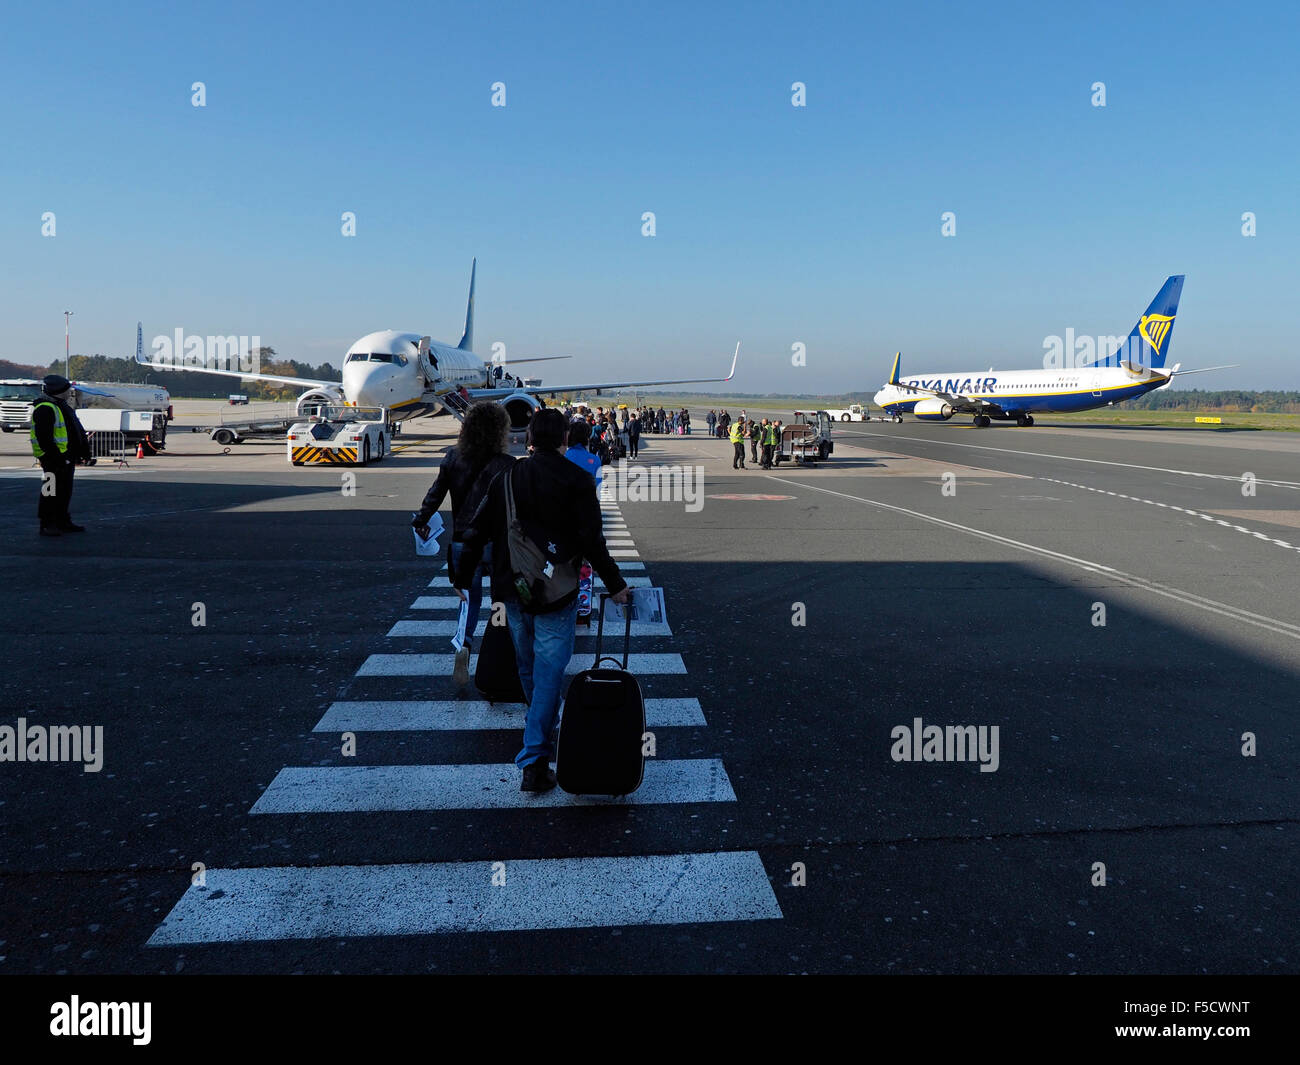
(72, 527)
(50, 530)
(538, 776)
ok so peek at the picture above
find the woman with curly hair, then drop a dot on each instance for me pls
(467, 470)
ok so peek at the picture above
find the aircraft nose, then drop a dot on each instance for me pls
(368, 384)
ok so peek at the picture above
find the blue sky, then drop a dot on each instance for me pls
(775, 225)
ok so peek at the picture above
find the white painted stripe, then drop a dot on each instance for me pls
(372, 788)
(436, 602)
(620, 543)
(473, 715)
(1072, 458)
(624, 553)
(434, 665)
(631, 582)
(1212, 606)
(635, 582)
(246, 905)
(447, 627)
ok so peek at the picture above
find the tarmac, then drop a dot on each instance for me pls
(1121, 605)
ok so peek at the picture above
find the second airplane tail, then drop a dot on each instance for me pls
(1148, 343)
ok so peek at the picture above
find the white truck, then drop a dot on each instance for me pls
(16, 398)
(150, 402)
(340, 435)
(854, 412)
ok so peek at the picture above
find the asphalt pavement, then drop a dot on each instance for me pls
(1121, 606)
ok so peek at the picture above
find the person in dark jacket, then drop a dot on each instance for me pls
(555, 496)
(481, 452)
(634, 436)
(59, 443)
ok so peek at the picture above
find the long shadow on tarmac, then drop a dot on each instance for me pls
(1119, 745)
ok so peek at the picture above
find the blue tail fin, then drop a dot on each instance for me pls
(1148, 343)
(467, 341)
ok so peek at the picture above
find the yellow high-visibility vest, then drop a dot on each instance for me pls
(737, 433)
(60, 429)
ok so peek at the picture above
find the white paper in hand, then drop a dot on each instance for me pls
(458, 641)
(429, 546)
(646, 604)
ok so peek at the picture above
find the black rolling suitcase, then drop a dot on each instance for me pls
(497, 672)
(602, 725)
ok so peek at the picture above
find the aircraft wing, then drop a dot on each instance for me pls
(305, 382)
(550, 390)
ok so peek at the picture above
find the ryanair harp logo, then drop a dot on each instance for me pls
(1155, 327)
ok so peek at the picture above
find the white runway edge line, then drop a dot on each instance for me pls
(1181, 510)
(1075, 458)
(388, 788)
(448, 627)
(472, 715)
(243, 905)
(431, 665)
(1281, 628)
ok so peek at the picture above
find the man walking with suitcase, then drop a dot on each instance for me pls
(556, 515)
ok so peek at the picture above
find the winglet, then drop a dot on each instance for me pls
(734, 360)
(139, 344)
(467, 341)
(893, 373)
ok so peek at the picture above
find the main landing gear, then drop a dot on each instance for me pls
(982, 421)
(1024, 420)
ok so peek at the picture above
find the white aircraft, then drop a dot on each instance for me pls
(414, 375)
(1135, 368)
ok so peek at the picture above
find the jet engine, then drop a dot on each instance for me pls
(520, 407)
(319, 396)
(933, 410)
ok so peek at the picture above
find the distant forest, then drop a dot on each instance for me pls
(184, 383)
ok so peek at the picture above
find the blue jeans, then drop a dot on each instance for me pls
(543, 647)
(475, 592)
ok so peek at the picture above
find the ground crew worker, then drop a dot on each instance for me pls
(755, 438)
(59, 443)
(737, 438)
(769, 443)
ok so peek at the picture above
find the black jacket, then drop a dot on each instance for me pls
(458, 478)
(557, 495)
(43, 423)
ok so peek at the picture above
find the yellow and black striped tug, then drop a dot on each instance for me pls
(333, 456)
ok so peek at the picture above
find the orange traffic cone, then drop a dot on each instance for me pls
(139, 450)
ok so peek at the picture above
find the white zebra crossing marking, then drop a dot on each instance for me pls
(474, 786)
(633, 581)
(435, 665)
(473, 715)
(243, 905)
(447, 627)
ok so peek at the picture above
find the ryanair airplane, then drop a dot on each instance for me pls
(1134, 369)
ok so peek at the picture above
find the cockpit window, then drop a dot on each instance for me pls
(381, 356)
(358, 356)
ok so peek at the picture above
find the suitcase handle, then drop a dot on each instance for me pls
(600, 634)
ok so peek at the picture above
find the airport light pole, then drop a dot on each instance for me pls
(67, 350)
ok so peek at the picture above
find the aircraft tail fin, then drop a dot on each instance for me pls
(894, 371)
(467, 341)
(1148, 343)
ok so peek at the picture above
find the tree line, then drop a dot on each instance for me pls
(187, 383)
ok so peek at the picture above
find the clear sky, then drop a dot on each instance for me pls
(776, 225)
